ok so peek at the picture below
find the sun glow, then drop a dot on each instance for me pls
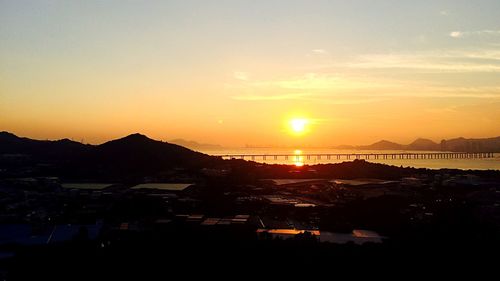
(298, 125)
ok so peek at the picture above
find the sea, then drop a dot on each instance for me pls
(300, 160)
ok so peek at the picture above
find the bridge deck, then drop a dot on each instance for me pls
(366, 156)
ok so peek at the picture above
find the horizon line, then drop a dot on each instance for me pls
(334, 146)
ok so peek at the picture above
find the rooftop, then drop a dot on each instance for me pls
(163, 186)
(98, 186)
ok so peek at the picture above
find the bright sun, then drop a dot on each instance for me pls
(298, 125)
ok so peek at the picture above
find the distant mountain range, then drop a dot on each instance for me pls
(136, 157)
(130, 156)
(455, 145)
(195, 145)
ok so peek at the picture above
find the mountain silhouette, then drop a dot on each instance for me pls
(137, 153)
(423, 144)
(455, 145)
(382, 145)
(132, 156)
(41, 149)
(195, 145)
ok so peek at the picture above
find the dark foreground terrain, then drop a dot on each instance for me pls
(69, 211)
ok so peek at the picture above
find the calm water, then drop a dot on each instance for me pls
(477, 164)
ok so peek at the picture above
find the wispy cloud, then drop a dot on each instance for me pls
(444, 13)
(333, 89)
(464, 92)
(462, 34)
(277, 97)
(456, 34)
(309, 81)
(239, 75)
(349, 100)
(361, 79)
(433, 62)
(318, 82)
(320, 51)
(484, 54)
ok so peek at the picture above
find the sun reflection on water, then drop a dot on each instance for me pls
(298, 159)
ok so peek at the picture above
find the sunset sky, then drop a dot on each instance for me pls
(237, 72)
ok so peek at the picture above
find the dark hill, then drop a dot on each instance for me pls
(41, 150)
(382, 145)
(455, 145)
(138, 154)
(195, 145)
(133, 156)
(423, 144)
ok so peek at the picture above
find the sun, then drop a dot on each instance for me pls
(298, 125)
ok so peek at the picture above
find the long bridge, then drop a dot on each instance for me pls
(365, 156)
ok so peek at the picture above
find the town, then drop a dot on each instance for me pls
(218, 206)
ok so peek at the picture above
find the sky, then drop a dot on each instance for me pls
(237, 72)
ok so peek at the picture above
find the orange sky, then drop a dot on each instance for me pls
(236, 72)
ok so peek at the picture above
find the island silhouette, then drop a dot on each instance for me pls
(136, 156)
(454, 145)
